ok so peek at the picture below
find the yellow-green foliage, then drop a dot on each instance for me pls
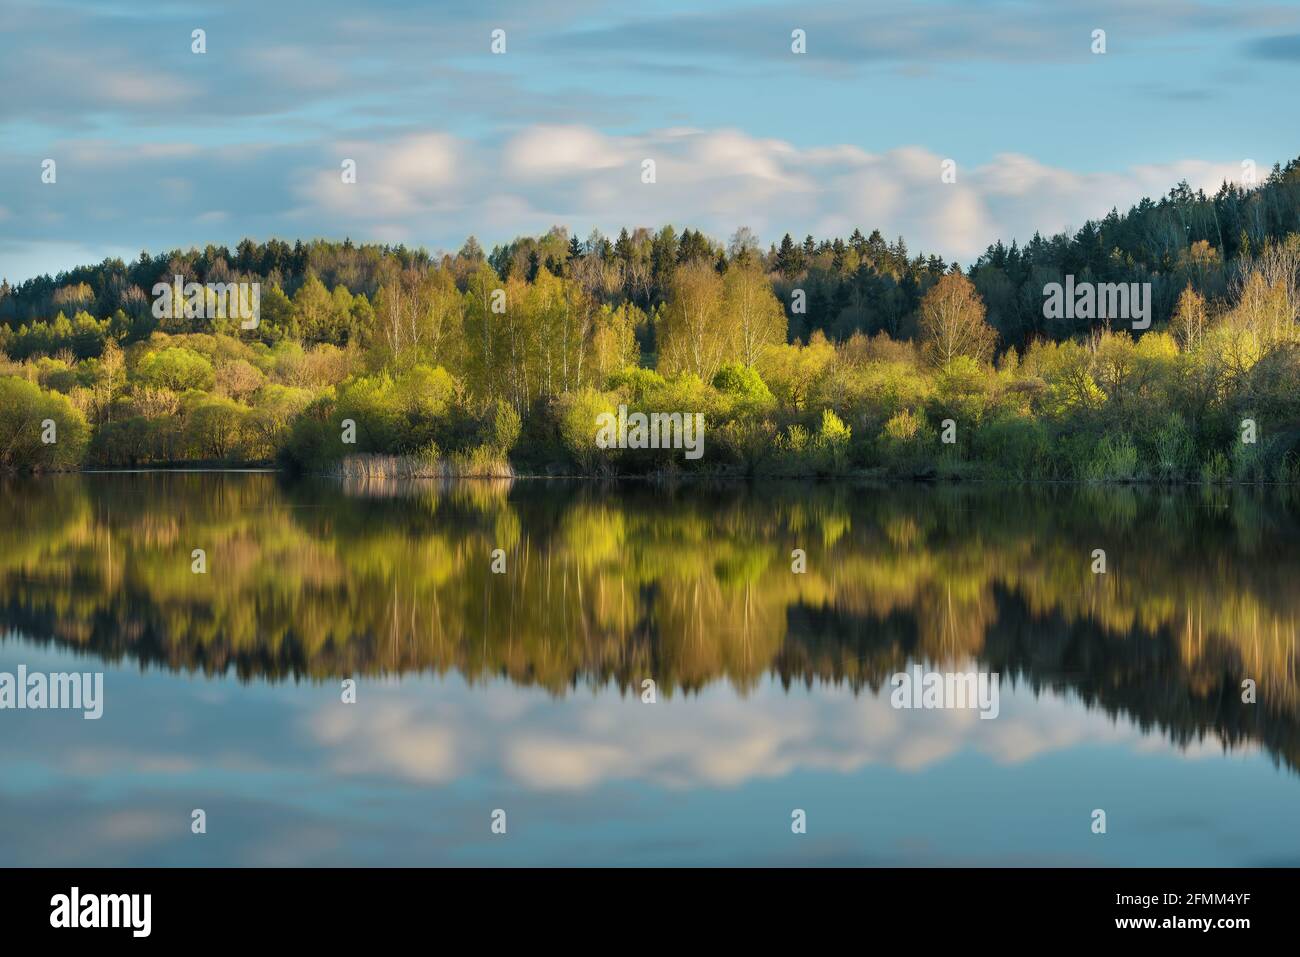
(577, 414)
(39, 429)
(479, 367)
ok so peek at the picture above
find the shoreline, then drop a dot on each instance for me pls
(852, 478)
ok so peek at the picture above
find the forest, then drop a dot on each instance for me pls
(820, 357)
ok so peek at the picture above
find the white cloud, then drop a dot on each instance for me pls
(407, 177)
(714, 739)
(719, 180)
(393, 737)
(434, 189)
(546, 151)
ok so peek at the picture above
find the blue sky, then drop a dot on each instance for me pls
(158, 147)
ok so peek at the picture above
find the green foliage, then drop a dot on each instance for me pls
(907, 444)
(902, 427)
(744, 386)
(791, 457)
(1265, 460)
(961, 391)
(747, 442)
(1174, 450)
(133, 441)
(1216, 468)
(512, 355)
(39, 430)
(635, 383)
(175, 368)
(577, 415)
(215, 427)
(83, 337)
(315, 439)
(832, 444)
(1113, 459)
(506, 426)
(1014, 446)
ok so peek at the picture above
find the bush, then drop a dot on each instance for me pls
(215, 428)
(790, 456)
(635, 383)
(1257, 462)
(906, 444)
(748, 441)
(1014, 446)
(576, 416)
(39, 430)
(176, 368)
(506, 426)
(744, 387)
(393, 416)
(1174, 450)
(1114, 459)
(832, 444)
(902, 427)
(961, 391)
(314, 441)
(133, 441)
(1216, 468)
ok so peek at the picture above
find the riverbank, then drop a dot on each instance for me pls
(414, 468)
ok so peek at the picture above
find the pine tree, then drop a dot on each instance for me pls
(787, 258)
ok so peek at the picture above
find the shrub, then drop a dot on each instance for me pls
(1014, 446)
(635, 383)
(506, 426)
(215, 428)
(176, 368)
(576, 415)
(1256, 462)
(832, 444)
(906, 443)
(748, 441)
(1113, 459)
(744, 386)
(29, 416)
(1174, 450)
(791, 450)
(961, 390)
(1216, 468)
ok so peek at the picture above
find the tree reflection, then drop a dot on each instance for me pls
(689, 585)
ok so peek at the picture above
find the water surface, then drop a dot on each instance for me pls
(523, 691)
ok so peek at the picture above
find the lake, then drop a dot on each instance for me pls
(517, 680)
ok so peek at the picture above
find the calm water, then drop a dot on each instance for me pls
(522, 691)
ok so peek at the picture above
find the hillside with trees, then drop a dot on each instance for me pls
(813, 357)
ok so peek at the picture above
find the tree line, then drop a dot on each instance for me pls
(812, 357)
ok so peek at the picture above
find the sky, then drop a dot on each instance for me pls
(156, 146)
